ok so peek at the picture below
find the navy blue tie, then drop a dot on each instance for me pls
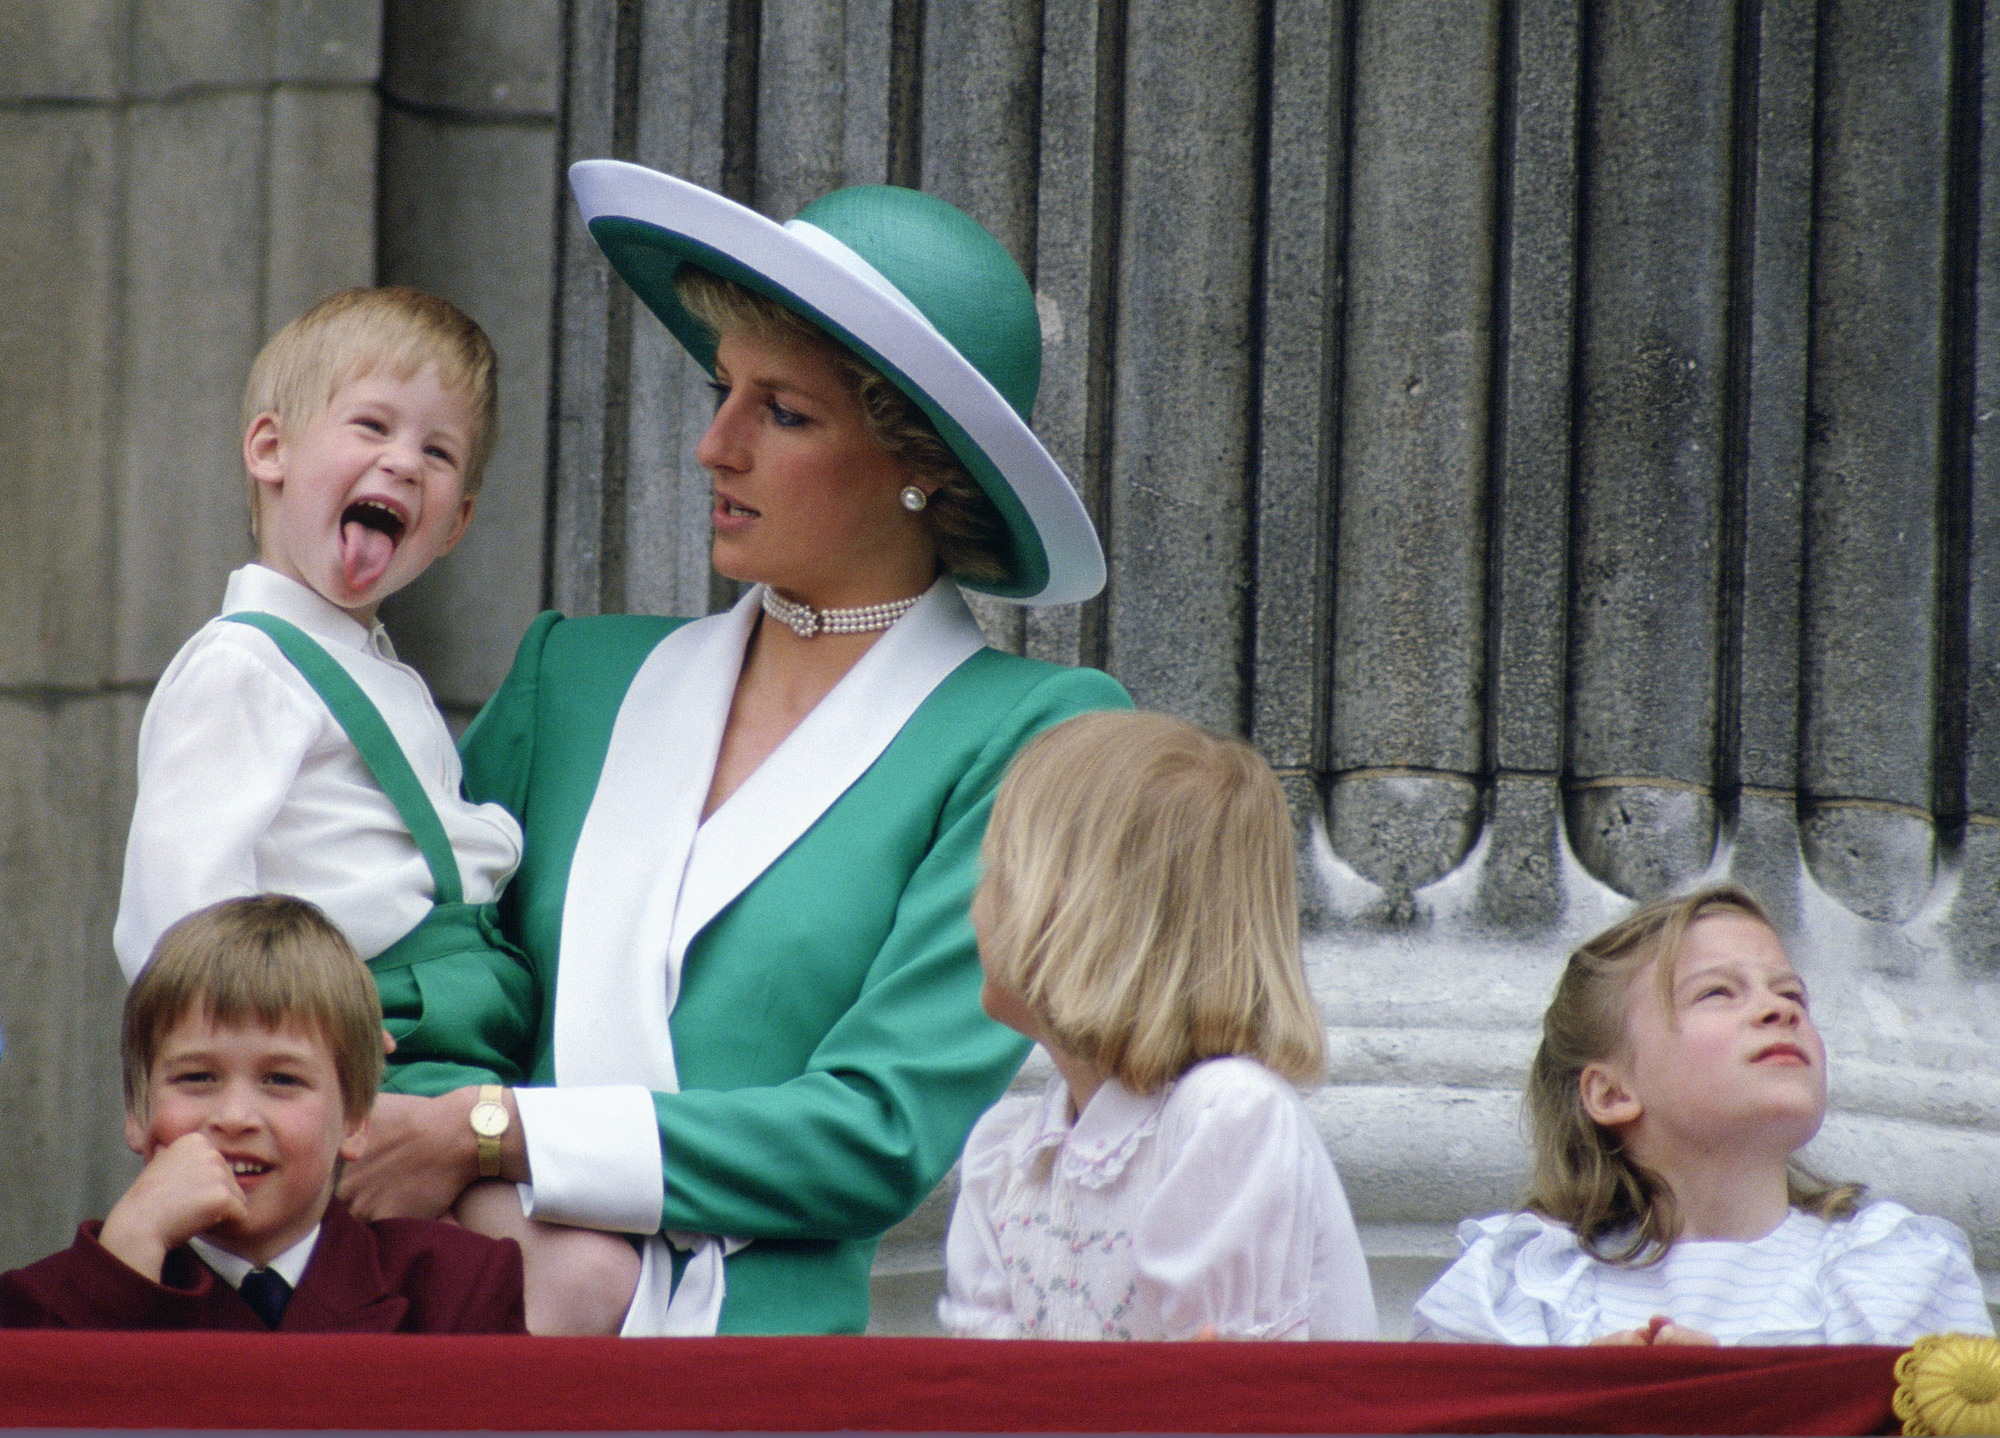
(265, 1290)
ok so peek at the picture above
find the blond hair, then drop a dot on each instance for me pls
(1621, 1211)
(971, 538)
(352, 334)
(1139, 897)
(271, 960)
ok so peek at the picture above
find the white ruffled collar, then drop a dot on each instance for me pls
(1552, 1267)
(1531, 1282)
(1522, 1228)
(1093, 1149)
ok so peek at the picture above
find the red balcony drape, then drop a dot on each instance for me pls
(150, 1380)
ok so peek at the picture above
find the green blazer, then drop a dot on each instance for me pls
(827, 1043)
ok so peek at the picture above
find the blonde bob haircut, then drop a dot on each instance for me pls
(354, 333)
(1139, 896)
(970, 535)
(1621, 1211)
(273, 961)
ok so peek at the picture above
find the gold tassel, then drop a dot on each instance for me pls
(1949, 1384)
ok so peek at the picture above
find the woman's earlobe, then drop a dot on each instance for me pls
(1606, 1099)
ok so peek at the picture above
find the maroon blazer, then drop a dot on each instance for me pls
(397, 1275)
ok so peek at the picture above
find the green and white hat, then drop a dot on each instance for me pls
(916, 288)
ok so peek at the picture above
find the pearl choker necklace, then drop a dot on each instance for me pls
(806, 621)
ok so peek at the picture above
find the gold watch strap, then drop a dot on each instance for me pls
(489, 1144)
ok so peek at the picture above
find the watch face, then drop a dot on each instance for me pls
(489, 1120)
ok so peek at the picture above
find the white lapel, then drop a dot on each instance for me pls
(624, 880)
(648, 875)
(820, 760)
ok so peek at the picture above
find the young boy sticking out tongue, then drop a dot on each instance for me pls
(287, 750)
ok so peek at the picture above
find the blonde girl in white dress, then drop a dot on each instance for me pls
(1679, 1072)
(1137, 918)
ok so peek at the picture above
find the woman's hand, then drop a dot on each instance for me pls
(421, 1154)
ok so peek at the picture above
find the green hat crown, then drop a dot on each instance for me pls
(950, 268)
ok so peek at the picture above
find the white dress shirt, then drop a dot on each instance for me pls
(248, 784)
(232, 1270)
(1883, 1275)
(1211, 1204)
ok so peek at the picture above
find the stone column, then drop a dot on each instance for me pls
(471, 95)
(1879, 330)
(1409, 665)
(1652, 359)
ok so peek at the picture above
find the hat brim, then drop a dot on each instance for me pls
(650, 224)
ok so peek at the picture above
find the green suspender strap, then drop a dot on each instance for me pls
(458, 998)
(370, 734)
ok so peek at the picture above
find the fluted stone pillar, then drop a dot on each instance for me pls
(1874, 468)
(1409, 664)
(471, 98)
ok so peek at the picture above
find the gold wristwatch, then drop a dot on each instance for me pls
(490, 1122)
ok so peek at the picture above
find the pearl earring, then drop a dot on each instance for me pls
(914, 499)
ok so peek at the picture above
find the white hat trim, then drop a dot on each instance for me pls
(837, 251)
(849, 291)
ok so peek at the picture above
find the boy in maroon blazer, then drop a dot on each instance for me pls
(253, 1047)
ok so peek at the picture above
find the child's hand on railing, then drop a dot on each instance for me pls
(1659, 1331)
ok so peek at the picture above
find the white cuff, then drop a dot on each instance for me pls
(594, 1153)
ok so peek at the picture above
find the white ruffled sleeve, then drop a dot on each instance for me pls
(1247, 1218)
(1891, 1276)
(977, 1302)
(1517, 1280)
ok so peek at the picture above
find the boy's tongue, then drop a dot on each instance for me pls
(364, 555)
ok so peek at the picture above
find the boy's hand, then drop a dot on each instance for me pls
(186, 1188)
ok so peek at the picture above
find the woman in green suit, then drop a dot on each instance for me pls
(752, 839)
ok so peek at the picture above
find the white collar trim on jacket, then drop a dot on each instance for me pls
(648, 875)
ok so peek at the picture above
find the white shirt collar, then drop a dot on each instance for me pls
(1096, 1147)
(255, 587)
(290, 1265)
